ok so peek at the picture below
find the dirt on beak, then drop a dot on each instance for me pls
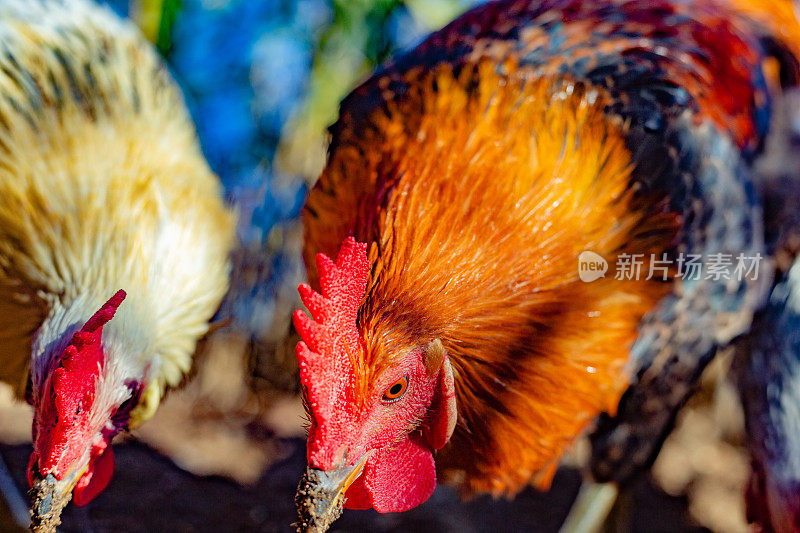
(321, 495)
(49, 496)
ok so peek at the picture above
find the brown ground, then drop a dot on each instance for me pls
(150, 493)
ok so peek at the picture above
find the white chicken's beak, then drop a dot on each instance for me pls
(49, 496)
(321, 495)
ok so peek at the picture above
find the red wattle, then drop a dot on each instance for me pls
(95, 479)
(395, 479)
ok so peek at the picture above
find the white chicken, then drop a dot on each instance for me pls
(114, 238)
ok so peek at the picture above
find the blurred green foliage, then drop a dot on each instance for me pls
(169, 12)
(155, 18)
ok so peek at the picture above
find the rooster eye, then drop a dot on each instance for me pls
(396, 390)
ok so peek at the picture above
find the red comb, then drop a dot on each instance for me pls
(330, 337)
(69, 394)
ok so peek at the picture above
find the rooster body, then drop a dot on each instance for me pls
(102, 187)
(476, 169)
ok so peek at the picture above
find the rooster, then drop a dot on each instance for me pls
(452, 336)
(114, 238)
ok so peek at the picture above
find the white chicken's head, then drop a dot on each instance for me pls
(73, 421)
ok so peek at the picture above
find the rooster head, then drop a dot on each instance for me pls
(371, 441)
(74, 424)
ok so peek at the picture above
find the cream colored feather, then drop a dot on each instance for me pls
(102, 187)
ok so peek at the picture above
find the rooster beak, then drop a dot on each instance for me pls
(321, 495)
(49, 496)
